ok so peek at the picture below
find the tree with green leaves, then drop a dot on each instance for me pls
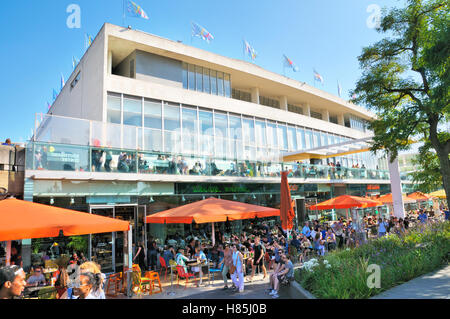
(406, 80)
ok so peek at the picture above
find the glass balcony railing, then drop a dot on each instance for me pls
(62, 157)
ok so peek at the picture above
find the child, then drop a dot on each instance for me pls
(322, 248)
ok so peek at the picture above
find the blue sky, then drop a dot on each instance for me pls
(37, 46)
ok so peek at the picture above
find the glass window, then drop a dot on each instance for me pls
(113, 108)
(199, 78)
(282, 137)
(249, 131)
(272, 134)
(191, 77)
(316, 139)
(261, 133)
(213, 77)
(190, 126)
(152, 140)
(292, 138)
(206, 84)
(221, 124)
(220, 90)
(132, 111)
(323, 139)
(185, 75)
(308, 139)
(206, 122)
(235, 127)
(330, 139)
(227, 84)
(171, 117)
(152, 114)
(301, 138)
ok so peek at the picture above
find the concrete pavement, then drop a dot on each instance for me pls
(435, 285)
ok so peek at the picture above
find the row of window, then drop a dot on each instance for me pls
(196, 127)
(197, 78)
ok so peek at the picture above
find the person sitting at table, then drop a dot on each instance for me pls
(169, 254)
(330, 239)
(201, 260)
(37, 278)
(181, 259)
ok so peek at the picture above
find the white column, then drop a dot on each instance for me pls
(255, 95)
(341, 120)
(284, 103)
(396, 188)
(213, 235)
(325, 115)
(109, 62)
(307, 110)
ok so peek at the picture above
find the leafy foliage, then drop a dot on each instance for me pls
(406, 80)
(400, 258)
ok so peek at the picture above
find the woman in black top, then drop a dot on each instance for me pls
(140, 255)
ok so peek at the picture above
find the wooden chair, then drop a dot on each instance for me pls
(183, 274)
(153, 276)
(139, 284)
(113, 282)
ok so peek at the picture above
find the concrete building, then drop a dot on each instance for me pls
(145, 123)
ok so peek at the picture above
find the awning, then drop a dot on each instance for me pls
(420, 197)
(211, 210)
(438, 194)
(340, 149)
(387, 199)
(346, 201)
(24, 220)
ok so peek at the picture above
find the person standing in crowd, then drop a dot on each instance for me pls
(152, 256)
(381, 227)
(169, 254)
(201, 260)
(12, 282)
(306, 230)
(16, 258)
(238, 275)
(331, 240)
(227, 261)
(140, 256)
(258, 258)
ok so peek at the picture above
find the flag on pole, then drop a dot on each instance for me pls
(199, 31)
(62, 81)
(88, 41)
(48, 106)
(318, 77)
(74, 62)
(250, 50)
(339, 89)
(55, 95)
(288, 63)
(135, 10)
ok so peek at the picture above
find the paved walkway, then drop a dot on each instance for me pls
(253, 290)
(435, 285)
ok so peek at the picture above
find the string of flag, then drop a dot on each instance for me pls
(132, 9)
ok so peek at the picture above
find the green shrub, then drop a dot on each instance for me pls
(400, 258)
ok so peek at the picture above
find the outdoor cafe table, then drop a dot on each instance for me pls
(195, 263)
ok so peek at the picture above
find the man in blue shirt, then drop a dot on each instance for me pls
(423, 217)
(447, 214)
(381, 227)
(306, 230)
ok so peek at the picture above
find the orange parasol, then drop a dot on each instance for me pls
(287, 213)
(211, 210)
(346, 201)
(24, 220)
(387, 199)
(420, 197)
